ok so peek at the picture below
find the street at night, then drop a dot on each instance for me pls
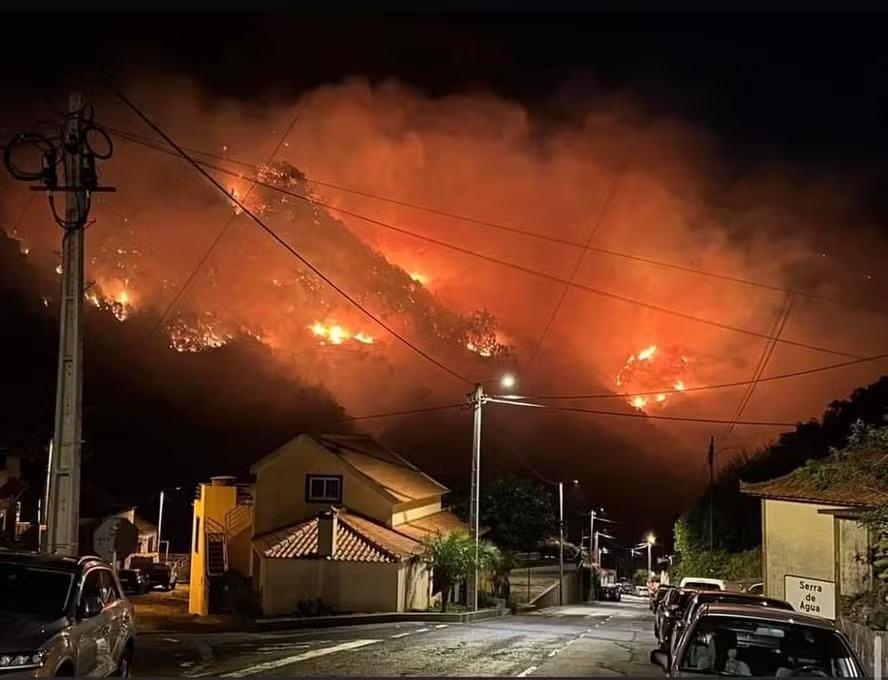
(601, 639)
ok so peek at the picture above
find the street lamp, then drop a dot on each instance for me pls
(160, 521)
(650, 540)
(477, 399)
(574, 482)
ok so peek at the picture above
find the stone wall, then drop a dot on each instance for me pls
(863, 641)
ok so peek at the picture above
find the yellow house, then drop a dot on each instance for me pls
(812, 540)
(220, 539)
(340, 518)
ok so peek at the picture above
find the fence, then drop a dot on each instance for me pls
(869, 645)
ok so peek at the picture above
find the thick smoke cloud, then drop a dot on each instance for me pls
(643, 184)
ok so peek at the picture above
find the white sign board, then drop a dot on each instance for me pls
(811, 596)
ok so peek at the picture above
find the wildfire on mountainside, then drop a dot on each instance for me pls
(650, 370)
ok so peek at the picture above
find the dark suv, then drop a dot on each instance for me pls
(63, 616)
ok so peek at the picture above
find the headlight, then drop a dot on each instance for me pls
(23, 660)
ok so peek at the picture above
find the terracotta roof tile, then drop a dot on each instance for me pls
(444, 521)
(357, 540)
(851, 487)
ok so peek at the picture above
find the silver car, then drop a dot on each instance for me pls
(731, 639)
(61, 616)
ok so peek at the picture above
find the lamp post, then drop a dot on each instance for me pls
(477, 399)
(160, 521)
(650, 540)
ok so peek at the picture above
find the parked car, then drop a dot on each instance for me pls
(728, 639)
(703, 583)
(611, 592)
(134, 581)
(163, 575)
(642, 591)
(627, 588)
(658, 595)
(704, 597)
(756, 589)
(669, 613)
(63, 616)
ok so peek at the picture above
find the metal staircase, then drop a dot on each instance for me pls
(216, 548)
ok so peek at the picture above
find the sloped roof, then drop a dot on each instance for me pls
(357, 540)
(444, 522)
(853, 485)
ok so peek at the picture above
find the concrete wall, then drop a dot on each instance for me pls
(852, 540)
(797, 541)
(349, 587)
(414, 587)
(572, 586)
(280, 487)
(239, 526)
(410, 512)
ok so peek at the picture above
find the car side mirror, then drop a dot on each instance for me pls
(660, 658)
(92, 606)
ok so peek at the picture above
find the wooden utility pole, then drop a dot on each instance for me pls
(711, 488)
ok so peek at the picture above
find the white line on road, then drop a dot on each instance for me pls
(400, 635)
(288, 660)
(527, 671)
(441, 625)
(554, 652)
(423, 630)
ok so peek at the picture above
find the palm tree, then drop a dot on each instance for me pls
(451, 558)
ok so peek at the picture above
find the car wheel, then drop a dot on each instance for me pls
(125, 665)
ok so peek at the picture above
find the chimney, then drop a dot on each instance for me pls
(328, 525)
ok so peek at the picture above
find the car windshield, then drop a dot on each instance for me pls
(728, 645)
(30, 590)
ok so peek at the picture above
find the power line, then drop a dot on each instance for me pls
(197, 166)
(701, 388)
(780, 324)
(375, 416)
(216, 241)
(517, 267)
(145, 141)
(612, 191)
(681, 419)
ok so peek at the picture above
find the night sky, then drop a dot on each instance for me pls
(804, 91)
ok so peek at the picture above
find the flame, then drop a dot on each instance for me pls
(202, 336)
(421, 279)
(480, 351)
(639, 402)
(661, 398)
(58, 269)
(120, 304)
(336, 335)
(648, 353)
(679, 386)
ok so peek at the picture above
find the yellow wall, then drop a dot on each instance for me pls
(798, 541)
(358, 587)
(414, 587)
(855, 575)
(414, 511)
(213, 504)
(280, 487)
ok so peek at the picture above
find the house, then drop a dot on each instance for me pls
(812, 541)
(341, 518)
(12, 490)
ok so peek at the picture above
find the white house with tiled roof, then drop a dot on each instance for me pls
(340, 518)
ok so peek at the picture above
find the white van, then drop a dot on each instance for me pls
(701, 583)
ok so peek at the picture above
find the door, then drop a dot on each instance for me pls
(115, 614)
(86, 632)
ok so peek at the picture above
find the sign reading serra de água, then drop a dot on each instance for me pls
(811, 596)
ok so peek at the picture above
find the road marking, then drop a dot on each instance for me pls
(554, 652)
(423, 630)
(441, 625)
(400, 635)
(527, 671)
(296, 658)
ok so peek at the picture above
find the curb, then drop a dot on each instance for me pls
(288, 623)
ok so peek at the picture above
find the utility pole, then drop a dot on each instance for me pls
(560, 543)
(711, 460)
(80, 181)
(593, 547)
(477, 401)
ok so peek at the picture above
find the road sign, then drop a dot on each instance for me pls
(116, 537)
(811, 596)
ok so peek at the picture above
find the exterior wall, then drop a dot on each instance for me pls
(358, 587)
(414, 587)
(280, 487)
(852, 540)
(797, 541)
(213, 505)
(239, 528)
(410, 512)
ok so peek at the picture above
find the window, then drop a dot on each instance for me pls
(92, 586)
(323, 489)
(110, 594)
(33, 591)
(197, 534)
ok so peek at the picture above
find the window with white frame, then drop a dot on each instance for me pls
(323, 489)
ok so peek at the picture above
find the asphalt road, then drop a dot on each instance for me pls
(597, 639)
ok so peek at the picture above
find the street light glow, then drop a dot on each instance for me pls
(651, 539)
(508, 381)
